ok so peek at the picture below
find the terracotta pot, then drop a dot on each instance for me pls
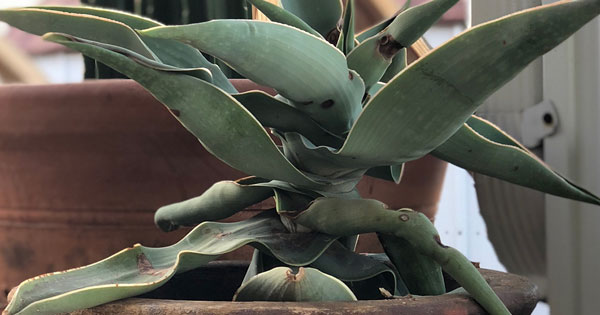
(219, 281)
(84, 166)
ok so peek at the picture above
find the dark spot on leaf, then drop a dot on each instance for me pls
(504, 42)
(470, 150)
(175, 112)
(388, 46)
(404, 217)
(143, 264)
(385, 40)
(222, 235)
(350, 75)
(439, 241)
(516, 168)
(333, 36)
(305, 103)
(327, 104)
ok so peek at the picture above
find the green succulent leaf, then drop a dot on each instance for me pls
(274, 113)
(505, 159)
(375, 29)
(276, 55)
(349, 217)
(425, 104)
(180, 55)
(346, 40)
(169, 52)
(321, 161)
(411, 24)
(283, 284)
(391, 173)
(222, 200)
(131, 20)
(140, 269)
(398, 64)
(41, 21)
(348, 266)
(221, 123)
(374, 55)
(321, 15)
(278, 14)
(421, 274)
(200, 73)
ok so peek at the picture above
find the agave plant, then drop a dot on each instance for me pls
(347, 105)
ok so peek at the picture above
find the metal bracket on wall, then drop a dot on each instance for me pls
(539, 122)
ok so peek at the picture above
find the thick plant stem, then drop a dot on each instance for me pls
(348, 217)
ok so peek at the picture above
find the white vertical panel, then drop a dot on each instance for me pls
(571, 80)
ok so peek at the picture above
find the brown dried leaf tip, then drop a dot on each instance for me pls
(295, 277)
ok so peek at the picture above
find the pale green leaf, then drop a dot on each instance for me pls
(506, 160)
(169, 52)
(221, 124)
(137, 270)
(132, 20)
(303, 285)
(274, 113)
(321, 15)
(284, 58)
(421, 274)
(426, 103)
(349, 217)
(222, 200)
(374, 55)
(346, 40)
(278, 14)
(40, 22)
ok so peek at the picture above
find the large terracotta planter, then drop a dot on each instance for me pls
(219, 281)
(84, 166)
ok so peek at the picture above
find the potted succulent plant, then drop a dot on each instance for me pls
(343, 110)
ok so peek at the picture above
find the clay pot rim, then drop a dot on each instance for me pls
(518, 294)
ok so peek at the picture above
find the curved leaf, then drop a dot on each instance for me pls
(221, 124)
(274, 113)
(470, 150)
(398, 64)
(131, 20)
(392, 173)
(346, 40)
(321, 15)
(332, 97)
(492, 132)
(321, 161)
(349, 266)
(374, 55)
(200, 73)
(411, 24)
(421, 274)
(40, 22)
(170, 52)
(349, 217)
(425, 104)
(283, 284)
(278, 14)
(222, 200)
(141, 269)
(180, 55)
